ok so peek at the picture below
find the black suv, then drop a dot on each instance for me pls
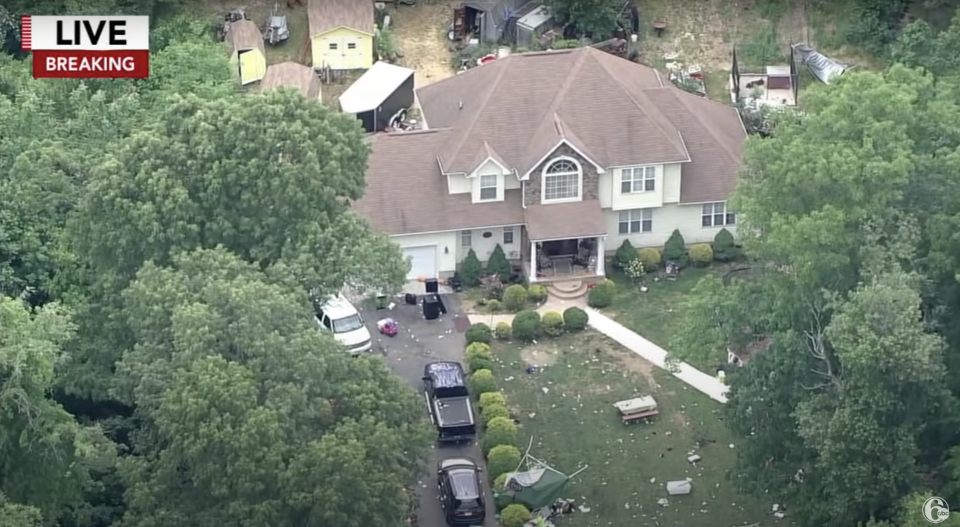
(461, 496)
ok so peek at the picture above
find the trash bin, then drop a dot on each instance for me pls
(381, 301)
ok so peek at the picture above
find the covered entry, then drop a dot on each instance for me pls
(380, 97)
(423, 261)
(566, 240)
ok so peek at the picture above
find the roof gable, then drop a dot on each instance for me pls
(326, 15)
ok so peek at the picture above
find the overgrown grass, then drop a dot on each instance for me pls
(567, 408)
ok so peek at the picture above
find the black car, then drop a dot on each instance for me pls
(461, 496)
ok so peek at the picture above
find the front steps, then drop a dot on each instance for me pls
(567, 289)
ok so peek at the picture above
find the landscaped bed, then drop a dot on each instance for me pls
(567, 407)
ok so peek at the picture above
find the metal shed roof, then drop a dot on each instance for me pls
(535, 18)
(373, 87)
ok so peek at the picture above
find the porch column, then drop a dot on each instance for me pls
(533, 261)
(600, 256)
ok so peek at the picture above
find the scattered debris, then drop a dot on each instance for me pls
(694, 458)
(663, 502)
(679, 488)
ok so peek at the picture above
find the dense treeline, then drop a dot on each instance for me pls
(160, 242)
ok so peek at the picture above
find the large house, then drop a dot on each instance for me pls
(558, 157)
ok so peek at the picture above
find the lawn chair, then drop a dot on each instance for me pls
(671, 270)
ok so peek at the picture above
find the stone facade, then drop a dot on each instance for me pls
(591, 180)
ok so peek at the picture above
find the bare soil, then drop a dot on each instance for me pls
(296, 49)
(420, 34)
(539, 355)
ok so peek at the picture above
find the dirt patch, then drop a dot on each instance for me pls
(700, 32)
(793, 28)
(331, 91)
(420, 34)
(296, 49)
(539, 356)
(679, 419)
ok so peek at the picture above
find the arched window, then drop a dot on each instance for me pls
(562, 180)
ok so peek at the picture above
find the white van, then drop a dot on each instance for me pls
(338, 316)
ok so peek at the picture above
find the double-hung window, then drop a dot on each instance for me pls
(717, 215)
(466, 238)
(638, 179)
(508, 233)
(635, 221)
(488, 188)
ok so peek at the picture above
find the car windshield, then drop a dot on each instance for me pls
(346, 324)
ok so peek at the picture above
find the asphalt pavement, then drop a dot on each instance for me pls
(418, 343)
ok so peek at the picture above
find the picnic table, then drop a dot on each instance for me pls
(637, 408)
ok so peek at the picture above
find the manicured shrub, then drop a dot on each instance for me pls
(552, 323)
(502, 459)
(494, 305)
(500, 483)
(575, 319)
(482, 381)
(724, 247)
(526, 326)
(491, 399)
(479, 333)
(480, 363)
(625, 254)
(502, 331)
(471, 270)
(515, 298)
(494, 411)
(601, 295)
(650, 258)
(536, 293)
(499, 265)
(478, 348)
(499, 437)
(514, 515)
(501, 424)
(675, 250)
(635, 270)
(701, 254)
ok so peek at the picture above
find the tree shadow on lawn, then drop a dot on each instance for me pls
(574, 423)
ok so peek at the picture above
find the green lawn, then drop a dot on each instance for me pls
(655, 313)
(574, 423)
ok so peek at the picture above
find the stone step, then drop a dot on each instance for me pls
(567, 290)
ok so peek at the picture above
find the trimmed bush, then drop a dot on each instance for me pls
(499, 265)
(675, 250)
(494, 411)
(502, 459)
(478, 348)
(575, 319)
(625, 254)
(482, 381)
(552, 323)
(526, 325)
(497, 438)
(515, 298)
(701, 254)
(501, 424)
(601, 295)
(480, 362)
(500, 482)
(514, 515)
(536, 293)
(471, 270)
(479, 333)
(650, 258)
(502, 331)
(724, 247)
(494, 305)
(491, 399)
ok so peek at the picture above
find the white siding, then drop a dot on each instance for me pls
(483, 247)
(487, 169)
(636, 200)
(458, 184)
(671, 183)
(665, 220)
(446, 243)
(510, 181)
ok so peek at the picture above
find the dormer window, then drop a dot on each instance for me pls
(638, 179)
(562, 180)
(488, 188)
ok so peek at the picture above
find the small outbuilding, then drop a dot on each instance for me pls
(247, 51)
(490, 21)
(532, 25)
(341, 33)
(381, 96)
(292, 75)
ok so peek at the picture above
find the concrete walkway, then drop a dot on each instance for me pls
(643, 348)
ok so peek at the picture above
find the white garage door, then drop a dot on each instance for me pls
(423, 261)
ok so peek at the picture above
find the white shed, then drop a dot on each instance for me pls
(379, 95)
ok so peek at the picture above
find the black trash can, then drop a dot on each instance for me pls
(431, 307)
(433, 286)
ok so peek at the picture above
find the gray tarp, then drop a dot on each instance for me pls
(821, 66)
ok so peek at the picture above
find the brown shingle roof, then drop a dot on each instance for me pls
(292, 75)
(616, 112)
(407, 194)
(244, 34)
(327, 15)
(565, 220)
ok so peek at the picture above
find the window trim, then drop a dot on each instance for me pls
(351, 45)
(333, 46)
(544, 175)
(644, 219)
(642, 180)
(513, 235)
(726, 217)
(495, 187)
(466, 238)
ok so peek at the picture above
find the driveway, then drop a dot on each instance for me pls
(418, 343)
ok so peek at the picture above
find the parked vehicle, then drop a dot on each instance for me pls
(448, 402)
(460, 492)
(338, 316)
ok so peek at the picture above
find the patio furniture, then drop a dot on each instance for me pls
(637, 408)
(659, 26)
(671, 270)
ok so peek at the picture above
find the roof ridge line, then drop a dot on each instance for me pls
(551, 113)
(485, 100)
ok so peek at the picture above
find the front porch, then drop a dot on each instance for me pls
(563, 260)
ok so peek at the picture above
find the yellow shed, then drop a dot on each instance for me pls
(292, 75)
(247, 51)
(341, 34)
